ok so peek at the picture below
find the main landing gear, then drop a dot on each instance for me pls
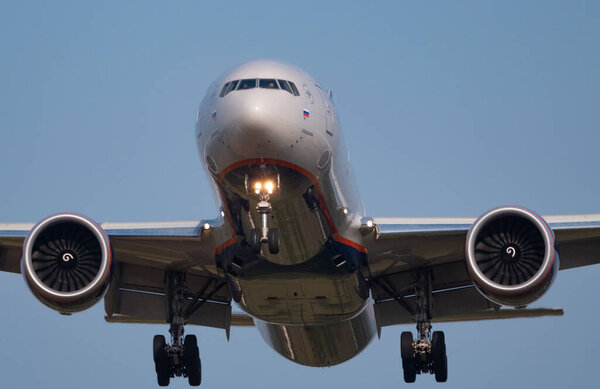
(180, 358)
(427, 354)
(177, 360)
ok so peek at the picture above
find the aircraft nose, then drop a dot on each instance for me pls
(256, 124)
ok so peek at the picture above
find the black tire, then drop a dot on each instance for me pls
(161, 360)
(410, 371)
(273, 238)
(438, 356)
(255, 241)
(409, 365)
(438, 347)
(190, 341)
(406, 346)
(441, 371)
(191, 360)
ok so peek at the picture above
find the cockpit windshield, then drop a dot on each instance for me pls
(268, 83)
(265, 83)
(285, 86)
(248, 83)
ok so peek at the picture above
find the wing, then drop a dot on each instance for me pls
(143, 253)
(397, 246)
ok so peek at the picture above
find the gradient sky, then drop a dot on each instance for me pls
(448, 109)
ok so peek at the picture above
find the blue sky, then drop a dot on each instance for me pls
(448, 109)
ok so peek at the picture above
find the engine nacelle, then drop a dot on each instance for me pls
(67, 262)
(511, 256)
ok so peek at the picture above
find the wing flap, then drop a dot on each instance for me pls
(11, 250)
(447, 303)
(12, 236)
(137, 295)
(464, 304)
(139, 307)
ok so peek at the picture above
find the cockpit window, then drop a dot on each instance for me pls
(285, 86)
(294, 89)
(268, 83)
(231, 86)
(248, 83)
(224, 89)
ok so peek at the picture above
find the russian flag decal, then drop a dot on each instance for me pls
(306, 113)
(214, 115)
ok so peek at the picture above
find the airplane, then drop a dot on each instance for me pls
(293, 247)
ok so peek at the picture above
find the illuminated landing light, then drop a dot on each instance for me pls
(264, 187)
(269, 187)
(206, 226)
(345, 210)
(369, 223)
(222, 214)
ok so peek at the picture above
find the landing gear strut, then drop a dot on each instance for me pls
(264, 190)
(426, 354)
(182, 356)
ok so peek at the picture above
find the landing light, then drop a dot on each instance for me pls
(269, 186)
(206, 226)
(369, 223)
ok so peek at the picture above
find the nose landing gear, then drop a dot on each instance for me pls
(265, 234)
(264, 190)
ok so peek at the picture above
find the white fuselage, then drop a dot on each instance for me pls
(312, 292)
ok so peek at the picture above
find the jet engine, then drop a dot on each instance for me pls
(511, 256)
(67, 262)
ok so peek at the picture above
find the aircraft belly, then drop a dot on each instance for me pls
(303, 296)
(321, 345)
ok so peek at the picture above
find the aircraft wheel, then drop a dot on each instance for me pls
(438, 346)
(438, 356)
(441, 371)
(409, 364)
(410, 371)
(161, 361)
(255, 240)
(273, 238)
(191, 360)
(406, 346)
